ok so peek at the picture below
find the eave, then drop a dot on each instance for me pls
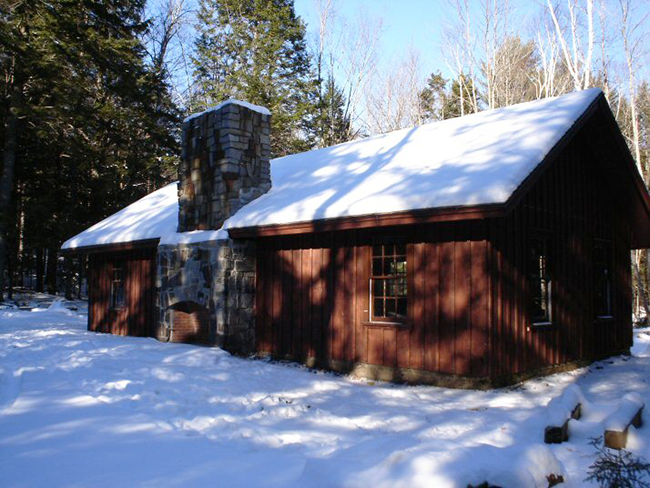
(617, 165)
(114, 247)
(411, 217)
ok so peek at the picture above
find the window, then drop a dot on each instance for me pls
(117, 286)
(539, 281)
(388, 288)
(603, 279)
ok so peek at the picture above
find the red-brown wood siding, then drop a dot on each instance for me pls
(468, 296)
(137, 318)
(319, 296)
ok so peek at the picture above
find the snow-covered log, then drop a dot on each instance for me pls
(559, 411)
(618, 423)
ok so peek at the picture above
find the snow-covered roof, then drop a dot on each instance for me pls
(150, 217)
(472, 160)
(232, 101)
(477, 159)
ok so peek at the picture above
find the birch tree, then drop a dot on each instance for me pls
(576, 46)
(394, 102)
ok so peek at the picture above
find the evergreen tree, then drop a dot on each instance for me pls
(332, 123)
(440, 101)
(255, 50)
(434, 98)
(453, 108)
(94, 121)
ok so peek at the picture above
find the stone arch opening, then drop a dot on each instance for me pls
(190, 323)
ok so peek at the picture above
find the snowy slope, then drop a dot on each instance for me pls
(477, 159)
(84, 409)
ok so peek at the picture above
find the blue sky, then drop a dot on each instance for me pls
(406, 22)
(419, 23)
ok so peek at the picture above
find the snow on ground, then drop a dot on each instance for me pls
(86, 409)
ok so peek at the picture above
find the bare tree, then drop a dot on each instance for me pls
(633, 39)
(498, 60)
(547, 76)
(166, 41)
(482, 51)
(577, 56)
(358, 61)
(463, 55)
(394, 101)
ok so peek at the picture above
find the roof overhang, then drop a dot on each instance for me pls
(621, 172)
(615, 162)
(113, 247)
(411, 217)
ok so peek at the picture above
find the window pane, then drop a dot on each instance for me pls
(377, 267)
(389, 295)
(401, 287)
(389, 266)
(401, 307)
(378, 307)
(539, 283)
(378, 287)
(118, 297)
(390, 288)
(390, 308)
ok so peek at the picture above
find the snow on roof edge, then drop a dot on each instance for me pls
(232, 101)
(149, 217)
(168, 235)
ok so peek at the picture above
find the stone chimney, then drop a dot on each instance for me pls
(224, 163)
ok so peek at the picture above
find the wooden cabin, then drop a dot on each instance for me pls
(475, 252)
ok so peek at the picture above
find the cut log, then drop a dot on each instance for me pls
(618, 423)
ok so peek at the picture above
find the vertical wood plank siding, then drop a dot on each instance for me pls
(468, 296)
(138, 316)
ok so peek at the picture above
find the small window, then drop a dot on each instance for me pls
(603, 279)
(539, 281)
(388, 285)
(117, 286)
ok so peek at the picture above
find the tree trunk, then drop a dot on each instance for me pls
(40, 269)
(7, 178)
(52, 261)
(68, 277)
(10, 277)
(643, 296)
(80, 261)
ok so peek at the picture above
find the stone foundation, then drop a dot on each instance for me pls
(217, 276)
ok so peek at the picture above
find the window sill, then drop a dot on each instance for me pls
(605, 318)
(386, 325)
(541, 326)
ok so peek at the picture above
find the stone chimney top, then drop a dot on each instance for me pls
(224, 163)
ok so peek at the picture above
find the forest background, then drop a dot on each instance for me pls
(93, 92)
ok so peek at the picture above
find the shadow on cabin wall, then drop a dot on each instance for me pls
(468, 303)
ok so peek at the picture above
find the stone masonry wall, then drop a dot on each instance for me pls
(218, 275)
(224, 165)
